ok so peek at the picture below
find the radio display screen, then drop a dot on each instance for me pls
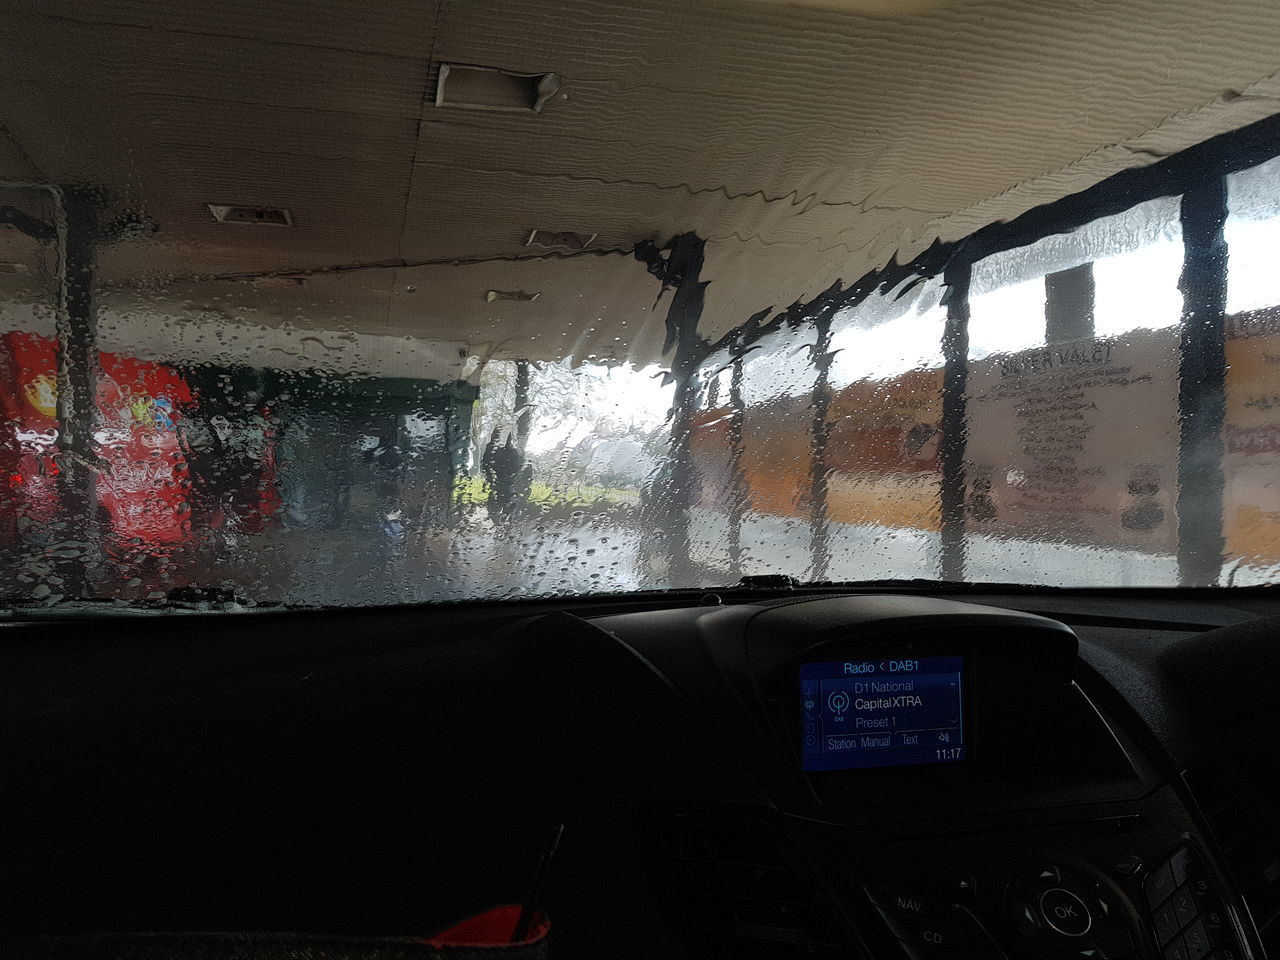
(880, 713)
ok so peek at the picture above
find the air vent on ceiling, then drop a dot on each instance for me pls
(731, 892)
(488, 88)
(566, 240)
(258, 216)
(512, 296)
(1252, 848)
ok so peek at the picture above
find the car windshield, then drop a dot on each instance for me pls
(339, 303)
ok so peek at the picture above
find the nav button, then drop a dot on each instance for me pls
(1064, 912)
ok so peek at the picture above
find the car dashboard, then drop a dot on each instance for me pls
(793, 775)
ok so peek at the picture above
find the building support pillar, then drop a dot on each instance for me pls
(955, 382)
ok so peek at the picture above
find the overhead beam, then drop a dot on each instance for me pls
(24, 222)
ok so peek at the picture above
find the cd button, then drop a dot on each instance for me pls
(941, 939)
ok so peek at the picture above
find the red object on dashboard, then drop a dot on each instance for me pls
(493, 928)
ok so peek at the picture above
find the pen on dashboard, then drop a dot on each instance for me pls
(534, 897)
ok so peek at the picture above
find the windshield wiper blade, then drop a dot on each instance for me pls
(773, 582)
(178, 600)
(768, 581)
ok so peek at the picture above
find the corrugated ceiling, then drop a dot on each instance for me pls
(804, 144)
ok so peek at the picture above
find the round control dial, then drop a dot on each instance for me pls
(1065, 912)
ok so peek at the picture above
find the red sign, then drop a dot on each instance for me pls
(142, 482)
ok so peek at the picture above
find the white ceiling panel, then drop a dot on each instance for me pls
(804, 144)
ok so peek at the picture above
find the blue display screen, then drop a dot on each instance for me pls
(880, 713)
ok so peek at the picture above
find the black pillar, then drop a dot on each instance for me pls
(524, 416)
(738, 484)
(1202, 384)
(955, 381)
(459, 407)
(819, 513)
(77, 335)
(1068, 307)
(683, 269)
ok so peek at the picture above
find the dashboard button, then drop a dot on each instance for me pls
(1197, 940)
(1184, 864)
(1201, 891)
(907, 902)
(1096, 951)
(1126, 866)
(1113, 938)
(1166, 922)
(1216, 923)
(1175, 950)
(1104, 906)
(1184, 905)
(928, 938)
(1024, 915)
(961, 884)
(1159, 885)
(1064, 912)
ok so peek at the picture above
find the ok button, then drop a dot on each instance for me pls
(1065, 912)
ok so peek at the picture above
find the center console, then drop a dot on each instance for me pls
(953, 790)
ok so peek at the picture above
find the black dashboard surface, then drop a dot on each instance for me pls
(387, 772)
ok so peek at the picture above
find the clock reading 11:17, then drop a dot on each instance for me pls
(878, 713)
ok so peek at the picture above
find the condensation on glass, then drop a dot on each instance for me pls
(34, 526)
(295, 456)
(883, 467)
(1071, 452)
(778, 392)
(866, 505)
(1251, 427)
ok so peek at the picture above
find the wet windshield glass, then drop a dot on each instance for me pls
(331, 304)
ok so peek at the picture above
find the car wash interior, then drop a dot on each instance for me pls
(759, 479)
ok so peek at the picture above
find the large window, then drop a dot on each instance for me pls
(1112, 276)
(1072, 440)
(1251, 429)
(884, 430)
(778, 382)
